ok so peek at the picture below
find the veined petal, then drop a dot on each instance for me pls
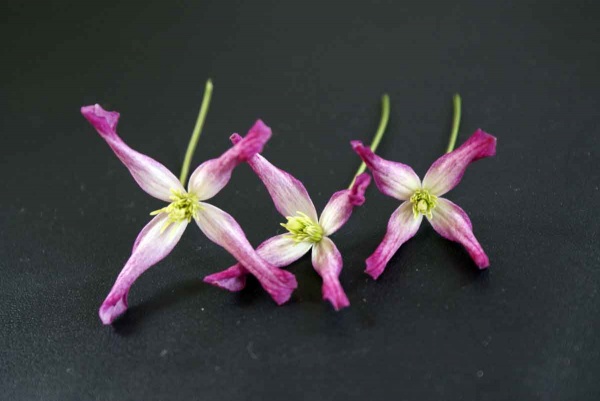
(232, 279)
(223, 230)
(211, 176)
(392, 178)
(287, 192)
(339, 208)
(152, 245)
(151, 176)
(327, 261)
(279, 251)
(402, 226)
(447, 171)
(451, 222)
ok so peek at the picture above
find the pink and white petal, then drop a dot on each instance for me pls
(451, 222)
(151, 176)
(447, 171)
(279, 251)
(287, 192)
(339, 208)
(232, 279)
(282, 250)
(151, 246)
(211, 176)
(402, 226)
(392, 178)
(327, 261)
(223, 230)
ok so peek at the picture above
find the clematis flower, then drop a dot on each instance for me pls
(424, 199)
(158, 238)
(306, 231)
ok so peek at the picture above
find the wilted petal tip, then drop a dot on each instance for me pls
(112, 309)
(482, 262)
(233, 281)
(357, 194)
(254, 142)
(356, 145)
(235, 138)
(286, 286)
(334, 293)
(490, 140)
(104, 121)
(374, 269)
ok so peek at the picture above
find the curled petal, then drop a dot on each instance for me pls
(287, 192)
(151, 176)
(327, 261)
(211, 176)
(339, 208)
(392, 178)
(279, 251)
(152, 245)
(447, 171)
(232, 279)
(402, 226)
(451, 222)
(223, 230)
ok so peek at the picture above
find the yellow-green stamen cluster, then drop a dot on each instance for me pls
(303, 228)
(423, 202)
(184, 206)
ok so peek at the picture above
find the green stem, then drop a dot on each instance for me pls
(385, 116)
(185, 169)
(455, 123)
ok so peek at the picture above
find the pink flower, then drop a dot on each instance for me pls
(423, 199)
(158, 238)
(306, 230)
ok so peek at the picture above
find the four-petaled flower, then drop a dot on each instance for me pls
(159, 237)
(423, 199)
(305, 229)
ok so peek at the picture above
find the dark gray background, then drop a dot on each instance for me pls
(432, 327)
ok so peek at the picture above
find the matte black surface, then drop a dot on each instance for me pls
(432, 327)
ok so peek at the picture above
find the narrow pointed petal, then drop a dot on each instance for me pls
(392, 178)
(287, 192)
(402, 226)
(151, 246)
(452, 223)
(279, 251)
(223, 230)
(327, 261)
(339, 208)
(211, 176)
(447, 171)
(151, 176)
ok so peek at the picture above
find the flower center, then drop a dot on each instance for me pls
(302, 228)
(183, 206)
(423, 202)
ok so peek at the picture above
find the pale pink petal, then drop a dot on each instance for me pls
(151, 176)
(392, 178)
(339, 208)
(211, 176)
(327, 261)
(287, 192)
(151, 246)
(451, 222)
(279, 251)
(402, 226)
(223, 230)
(447, 171)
